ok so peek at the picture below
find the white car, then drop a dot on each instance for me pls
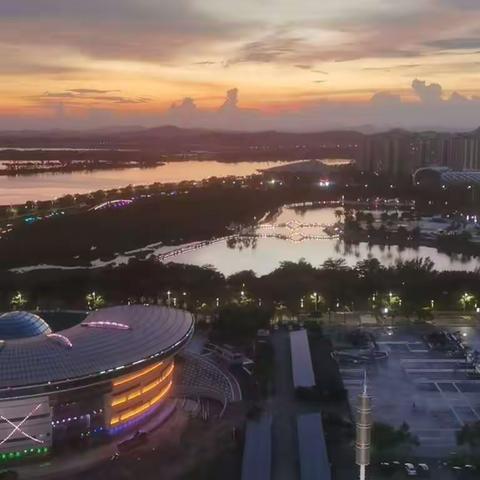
(410, 470)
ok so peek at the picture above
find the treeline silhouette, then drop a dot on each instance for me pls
(366, 286)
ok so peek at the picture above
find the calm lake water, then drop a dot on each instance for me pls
(267, 253)
(263, 255)
(45, 186)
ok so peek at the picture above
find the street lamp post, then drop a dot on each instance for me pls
(184, 295)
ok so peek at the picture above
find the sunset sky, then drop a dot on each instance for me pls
(129, 60)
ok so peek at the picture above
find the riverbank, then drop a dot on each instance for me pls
(46, 187)
(33, 168)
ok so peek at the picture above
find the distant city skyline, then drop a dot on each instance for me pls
(303, 65)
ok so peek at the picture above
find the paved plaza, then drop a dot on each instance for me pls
(431, 391)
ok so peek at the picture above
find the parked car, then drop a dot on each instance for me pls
(410, 470)
(423, 470)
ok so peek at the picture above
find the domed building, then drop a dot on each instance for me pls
(20, 324)
(107, 374)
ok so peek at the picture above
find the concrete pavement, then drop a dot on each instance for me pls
(284, 406)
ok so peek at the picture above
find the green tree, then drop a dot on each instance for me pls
(240, 322)
(94, 301)
(18, 301)
(386, 438)
(469, 435)
(336, 264)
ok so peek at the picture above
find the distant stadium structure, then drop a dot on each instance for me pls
(438, 176)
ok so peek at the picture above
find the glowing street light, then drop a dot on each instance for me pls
(467, 299)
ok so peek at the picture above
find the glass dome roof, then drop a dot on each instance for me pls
(21, 325)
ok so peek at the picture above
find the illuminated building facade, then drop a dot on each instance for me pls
(107, 374)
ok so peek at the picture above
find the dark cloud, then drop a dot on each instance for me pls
(427, 93)
(384, 110)
(231, 101)
(120, 99)
(310, 68)
(79, 95)
(304, 67)
(161, 30)
(462, 4)
(118, 29)
(289, 45)
(390, 68)
(187, 105)
(57, 95)
(90, 91)
(274, 47)
(462, 43)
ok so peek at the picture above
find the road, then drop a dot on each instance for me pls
(67, 466)
(285, 408)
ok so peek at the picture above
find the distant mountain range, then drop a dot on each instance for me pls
(171, 139)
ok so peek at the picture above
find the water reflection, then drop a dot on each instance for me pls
(45, 186)
(239, 243)
(263, 255)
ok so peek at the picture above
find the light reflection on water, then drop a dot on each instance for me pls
(267, 253)
(46, 186)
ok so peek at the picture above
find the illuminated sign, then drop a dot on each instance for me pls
(17, 427)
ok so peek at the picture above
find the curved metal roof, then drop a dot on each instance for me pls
(462, 178)
(447, 176)
(107, 341)
(21, 324)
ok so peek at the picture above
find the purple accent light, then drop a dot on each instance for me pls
(102, 324)
(61, 339)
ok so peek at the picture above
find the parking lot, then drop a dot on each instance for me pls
(432, 392)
